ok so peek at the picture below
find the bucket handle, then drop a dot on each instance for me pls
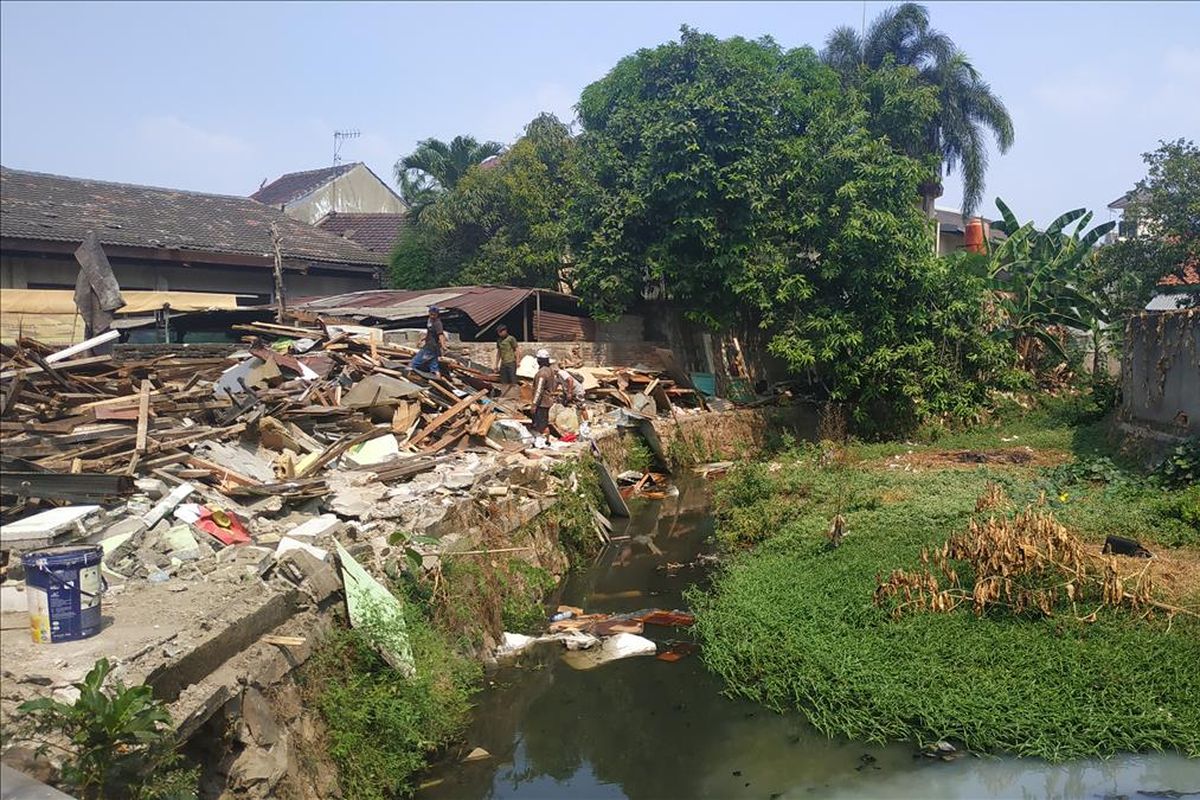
(61, 582)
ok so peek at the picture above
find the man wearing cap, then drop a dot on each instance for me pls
(506, 355)
(545, 387)
(426, 359)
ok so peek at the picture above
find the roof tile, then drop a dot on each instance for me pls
(376, 232)
(295, 185)
(45, 207)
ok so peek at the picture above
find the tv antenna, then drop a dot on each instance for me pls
(338, 138)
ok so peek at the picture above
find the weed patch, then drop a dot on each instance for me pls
(382, 726)
(791, 623)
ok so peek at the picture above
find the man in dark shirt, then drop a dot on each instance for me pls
(506, 356)
(426, 359)
(545, 388)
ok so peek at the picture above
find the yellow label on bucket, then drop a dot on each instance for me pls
(39, 615)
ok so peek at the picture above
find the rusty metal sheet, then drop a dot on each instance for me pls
(551, 327)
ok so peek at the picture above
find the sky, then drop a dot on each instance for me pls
(219, 97)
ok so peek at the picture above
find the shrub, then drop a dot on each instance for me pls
(382, 726)
(120, 742)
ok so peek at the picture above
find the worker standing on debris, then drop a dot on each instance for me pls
(426, 359)
(506, 355)
(545, 387)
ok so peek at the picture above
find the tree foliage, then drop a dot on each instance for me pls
(503, 224)
(1166, 203)
(745, 184)
(436, 167)
(1039, 278)
(901, 36)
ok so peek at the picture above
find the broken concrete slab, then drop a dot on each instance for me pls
(288, 544)
(46, 528)
(324, 525)
(167, 504)
(259, 719)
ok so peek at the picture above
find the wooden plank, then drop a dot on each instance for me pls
(449, 440)
(59, 367)
(447, 415)
(143, 418)
(227, 475)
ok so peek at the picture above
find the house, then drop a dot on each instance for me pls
(1179, 288)
(375, 232)
(1129, 227)
(168, 240)
(952, 230)
(344, 188)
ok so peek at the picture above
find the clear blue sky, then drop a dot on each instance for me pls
(218, 96)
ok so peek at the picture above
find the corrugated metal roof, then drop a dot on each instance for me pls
(482, 304)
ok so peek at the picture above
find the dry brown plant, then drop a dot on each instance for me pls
(993, 497)
(1027, 564)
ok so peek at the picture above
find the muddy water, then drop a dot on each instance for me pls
(643, 728)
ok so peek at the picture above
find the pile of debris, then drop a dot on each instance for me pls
(168, 460)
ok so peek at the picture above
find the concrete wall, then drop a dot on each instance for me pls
(358, 191)
(628, 328)
(576, 354)
(1160, 374)
(59, 272)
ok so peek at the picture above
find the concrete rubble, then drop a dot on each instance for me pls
(222, 493)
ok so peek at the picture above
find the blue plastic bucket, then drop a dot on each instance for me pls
(63, 585)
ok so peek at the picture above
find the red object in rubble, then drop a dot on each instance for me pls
(223, 526)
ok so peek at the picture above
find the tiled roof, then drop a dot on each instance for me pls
(375, 232)
(55, 208)
(295, 185)
(1186, 275)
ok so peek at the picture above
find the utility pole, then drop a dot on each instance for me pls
(280, 300)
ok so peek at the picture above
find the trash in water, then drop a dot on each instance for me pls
(614, 648)
(673, 619)
(477, 754)
(677, 650)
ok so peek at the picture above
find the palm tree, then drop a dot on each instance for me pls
(902, 36)
(436, 167)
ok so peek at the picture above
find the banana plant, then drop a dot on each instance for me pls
(1036, 278)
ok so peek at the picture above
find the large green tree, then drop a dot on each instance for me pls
(746, 185)
(1163, 230)
(503, 224)
(436, 166)
(968, 108)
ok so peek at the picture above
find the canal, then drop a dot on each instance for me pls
(644, 728)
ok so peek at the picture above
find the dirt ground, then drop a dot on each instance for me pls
(1175, 572)
(970, 459)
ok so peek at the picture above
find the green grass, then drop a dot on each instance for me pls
(381, 726)
(790, 623)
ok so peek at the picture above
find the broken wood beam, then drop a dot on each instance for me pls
(448, 415)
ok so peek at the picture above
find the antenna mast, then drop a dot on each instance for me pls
(338, 138)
